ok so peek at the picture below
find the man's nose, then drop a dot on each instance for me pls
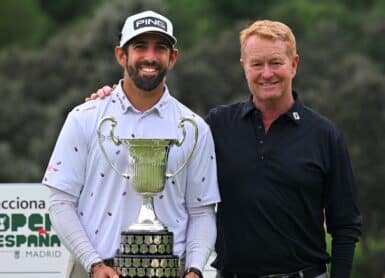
(150, 54)
(267, 71)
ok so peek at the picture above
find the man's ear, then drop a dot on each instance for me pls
(173, 57)
(120, 56)
(242, 62)
(294, 65)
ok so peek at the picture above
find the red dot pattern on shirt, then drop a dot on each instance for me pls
(123, 193)
(89, 108)
(51, 168)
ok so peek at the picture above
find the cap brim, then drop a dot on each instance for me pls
(169, 38)
(172, 40)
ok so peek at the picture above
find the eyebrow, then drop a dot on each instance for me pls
(273, 57)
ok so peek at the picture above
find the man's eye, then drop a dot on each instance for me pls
(276, 63)
(139, 46)
(162, 46)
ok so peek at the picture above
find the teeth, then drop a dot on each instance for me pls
(267, 83)
(148, 69)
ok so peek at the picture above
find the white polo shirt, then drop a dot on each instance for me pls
(107, 204)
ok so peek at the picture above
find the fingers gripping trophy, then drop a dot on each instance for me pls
(146, 247)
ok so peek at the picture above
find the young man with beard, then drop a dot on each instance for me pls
(90, 205)
(283, 171)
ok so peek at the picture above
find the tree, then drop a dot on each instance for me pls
(208, 76)
(18, 18)
(65, 11)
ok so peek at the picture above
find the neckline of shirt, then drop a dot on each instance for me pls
(119, 96)
(294, 113)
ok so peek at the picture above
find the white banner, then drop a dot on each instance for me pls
(29, 248)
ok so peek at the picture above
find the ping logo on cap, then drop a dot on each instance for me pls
(150, 21)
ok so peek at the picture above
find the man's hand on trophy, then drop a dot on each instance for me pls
(191, 275)
(101, 93)
(192, 272)
(101, 270)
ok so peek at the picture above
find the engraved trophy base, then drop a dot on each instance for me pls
(146, 254)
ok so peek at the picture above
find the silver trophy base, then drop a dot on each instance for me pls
(147, 255)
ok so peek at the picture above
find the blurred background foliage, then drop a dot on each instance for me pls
(55, 53)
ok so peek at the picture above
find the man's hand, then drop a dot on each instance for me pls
(101, 93)
(103, 271)
(191, 275)
(192, 272)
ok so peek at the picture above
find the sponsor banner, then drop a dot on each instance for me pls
(29, 247)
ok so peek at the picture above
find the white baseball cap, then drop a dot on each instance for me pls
(147, 21)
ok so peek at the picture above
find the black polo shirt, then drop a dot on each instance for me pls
(276, 188)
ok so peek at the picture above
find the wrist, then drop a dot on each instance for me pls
(94, 267)
(193, 270)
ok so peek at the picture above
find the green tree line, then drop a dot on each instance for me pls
(55, 53)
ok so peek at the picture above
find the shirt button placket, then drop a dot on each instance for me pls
(261, 157)
(260, 141)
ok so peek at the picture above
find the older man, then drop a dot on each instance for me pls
(283, 168)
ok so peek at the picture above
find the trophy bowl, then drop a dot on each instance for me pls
(147, 164)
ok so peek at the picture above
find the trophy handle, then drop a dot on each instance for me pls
(116, 141)
(180, 142)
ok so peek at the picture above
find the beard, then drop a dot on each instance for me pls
(146, 83)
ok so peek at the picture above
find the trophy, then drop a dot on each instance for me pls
(146, 247)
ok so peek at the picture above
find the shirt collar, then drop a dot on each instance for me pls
(248, 107)
(294, 113)
(125, 104)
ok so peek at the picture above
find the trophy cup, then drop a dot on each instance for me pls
(146, 247)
